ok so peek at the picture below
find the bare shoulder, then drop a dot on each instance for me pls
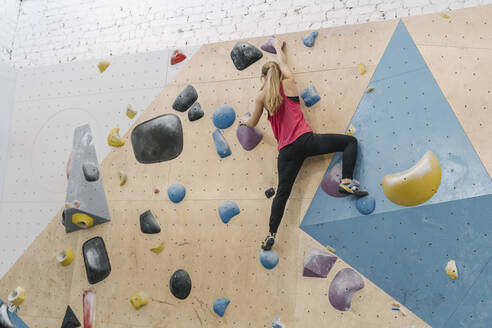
(290, 87)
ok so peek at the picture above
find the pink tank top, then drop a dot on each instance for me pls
(288, 122)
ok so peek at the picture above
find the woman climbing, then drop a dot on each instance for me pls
(295, 138)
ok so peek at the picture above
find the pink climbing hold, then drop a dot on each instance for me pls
(331, 180)
(318, 263)
(248, 137)
(346, 282)
(177, 57)
(156, 191)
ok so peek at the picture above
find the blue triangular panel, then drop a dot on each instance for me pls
(404, 250)
(405, 116)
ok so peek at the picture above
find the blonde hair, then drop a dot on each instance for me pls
(270, 74)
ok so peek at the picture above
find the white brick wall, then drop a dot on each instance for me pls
(9, 10)
(53, 31)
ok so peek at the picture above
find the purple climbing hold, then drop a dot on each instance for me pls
(248, 137)
(343, 287)
(331, 180)
(318, 263)
(268, 47)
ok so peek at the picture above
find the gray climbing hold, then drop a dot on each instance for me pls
(148, 223)
(310, 96)
(244, 54)
(268, 46)
(185, 99)
(4, 317)
(91, 172)
(309, 39)
(318, 263)
(343, 287)
(220, 306)
(96, 260)
(91, 207)
(157, 140)
(221, 144)
(269, 192)
(70, 320)
(180, 284)
(195, 112)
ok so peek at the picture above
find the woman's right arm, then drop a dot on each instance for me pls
(282, 60)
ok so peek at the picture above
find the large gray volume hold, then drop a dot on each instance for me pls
(244, 54)
(88, 195)
(157, 140)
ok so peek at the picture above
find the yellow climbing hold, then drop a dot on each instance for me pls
(415, 185)
(396, 304)
(369, 89)
(65, 257)
(452, 270)
(130, 112)
(123, 177)
(139, 300)
(159, 248)
(444, 15)
(114, 138)
(331, 249)
(82, 220)
(362, 68)
(17, 296)
(103, 65)
(351, 130)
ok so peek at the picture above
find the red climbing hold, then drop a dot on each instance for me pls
(177, 57)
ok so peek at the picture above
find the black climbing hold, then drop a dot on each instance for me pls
(70, 320)
(96, 260)
(91, 172)
(195, 112)
(157, 140)
(185, 99)
(244, 54)
(269, 192)
(180, 284)
(148, 223)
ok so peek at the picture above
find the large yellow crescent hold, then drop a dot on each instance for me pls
(114, 139)
(415, 185)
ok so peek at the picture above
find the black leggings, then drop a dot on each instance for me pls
(291, 157)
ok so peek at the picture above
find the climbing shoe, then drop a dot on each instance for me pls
(351, 189)
(267, 244)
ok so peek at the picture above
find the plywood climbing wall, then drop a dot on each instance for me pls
(223, 259)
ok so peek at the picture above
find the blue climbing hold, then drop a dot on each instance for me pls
(366, 205)
(227, 210)
(176, 192)
(220, 306)
(269, 259)
(310, 96)
(309, 39)
(221, 144)
(223, 117)
(277, 323)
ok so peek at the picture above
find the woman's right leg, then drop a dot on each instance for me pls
(287, 173)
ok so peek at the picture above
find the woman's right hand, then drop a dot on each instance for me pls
(277, 44)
